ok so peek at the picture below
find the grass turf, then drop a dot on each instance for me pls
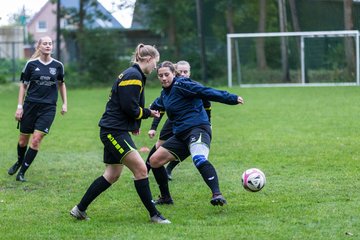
(306, 140)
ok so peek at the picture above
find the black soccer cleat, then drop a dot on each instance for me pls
(163, 201)
(218, 200)
(20, 177)
(14, 168)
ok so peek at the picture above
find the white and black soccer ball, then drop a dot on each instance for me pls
(253, 179)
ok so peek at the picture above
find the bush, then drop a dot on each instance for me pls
(10, 70)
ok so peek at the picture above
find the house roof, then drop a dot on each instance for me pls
(110, 22)
(38, 13)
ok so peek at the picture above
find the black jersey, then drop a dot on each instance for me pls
(42, 80)
(125, 107)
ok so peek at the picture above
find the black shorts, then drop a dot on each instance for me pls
(117, 144)
(37, 116)
(178, 145)
(166, 131)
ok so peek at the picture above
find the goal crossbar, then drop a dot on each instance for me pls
(350, 33)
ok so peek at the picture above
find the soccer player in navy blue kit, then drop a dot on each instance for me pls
(181, 98)
(41, 79)
(182, 70)
(123, 114)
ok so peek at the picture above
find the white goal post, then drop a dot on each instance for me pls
(233, 46)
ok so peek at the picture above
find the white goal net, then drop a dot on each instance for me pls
(293, 58)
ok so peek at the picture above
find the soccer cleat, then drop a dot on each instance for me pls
(79, 215)
(218, 200)
(14, 168)
(158, 218)
(163, 200)
(20, 177)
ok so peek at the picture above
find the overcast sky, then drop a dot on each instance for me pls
(9, 7)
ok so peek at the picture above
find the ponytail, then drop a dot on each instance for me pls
(144, 52)
(36, 54)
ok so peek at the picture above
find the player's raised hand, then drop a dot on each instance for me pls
(240, 100)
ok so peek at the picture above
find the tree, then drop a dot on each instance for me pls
(200, 30)
(20, 18)
(260, 42)
(294, 16)
(349, 43)
(175, 22)
(284, 45)
(93, 49)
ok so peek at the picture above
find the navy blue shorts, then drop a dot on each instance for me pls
(37, 116)
(166, 131)
(117, 144)
(178, 145)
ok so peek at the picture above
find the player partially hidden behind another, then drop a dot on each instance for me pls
(123, 114)
(41, 79)
(181, 98)
(182, 70)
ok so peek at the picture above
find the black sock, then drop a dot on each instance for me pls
(171, 166)
(209, 175)
(96, 188)
(28, 159)
(162, 180)
(21, 153)
(148, 158)
(143, 189)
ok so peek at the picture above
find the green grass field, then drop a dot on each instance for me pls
(306, 140)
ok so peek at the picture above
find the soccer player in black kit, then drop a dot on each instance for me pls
(123, 114)
(41, 79)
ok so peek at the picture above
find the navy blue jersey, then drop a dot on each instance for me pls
(155, 123)
(125, 107)
(183, 103)
(42, 80)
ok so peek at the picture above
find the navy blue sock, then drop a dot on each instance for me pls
(148, 158)
(171, 166)
(209, 175)
(162, 180)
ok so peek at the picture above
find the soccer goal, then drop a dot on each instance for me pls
(320, 58)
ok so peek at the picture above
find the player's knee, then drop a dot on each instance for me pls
(154, 162)
(199, 160)
(23, 141)
(114, 176)
(35, 142)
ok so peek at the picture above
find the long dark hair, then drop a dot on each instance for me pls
(167, 64)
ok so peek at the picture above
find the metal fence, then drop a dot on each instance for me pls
(12, 55)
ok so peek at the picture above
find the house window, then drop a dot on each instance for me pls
(41, 26)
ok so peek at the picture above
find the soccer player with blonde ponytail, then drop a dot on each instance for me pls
(41, 79)
(123, 114)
